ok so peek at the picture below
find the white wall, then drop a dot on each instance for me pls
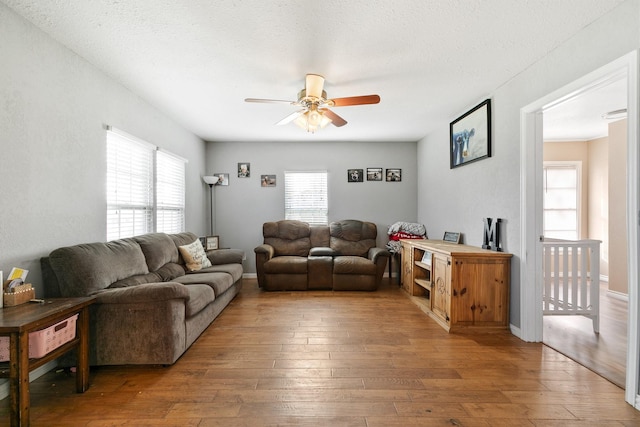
(491, 187)
(242, 207)
(53, 106)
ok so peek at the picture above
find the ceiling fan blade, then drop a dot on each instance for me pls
(354, 100)
(314, 84)
(270, 101)
(291, 117)
(336, 120)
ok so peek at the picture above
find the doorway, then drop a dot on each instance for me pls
(532, 125)
(584, 197)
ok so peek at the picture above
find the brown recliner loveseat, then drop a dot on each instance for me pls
(341, 256)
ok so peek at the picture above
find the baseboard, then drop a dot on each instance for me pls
(515, 330)
(33, 375)
(617, 295)
(249, 275)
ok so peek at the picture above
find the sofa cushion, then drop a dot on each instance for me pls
(194, 256)
(235, 270)
(353, 265)
(170, 271)
(199, 297)
(158, 249)
(84, 269)
(353, 237)
(286, 265)
(218, 281)
(287, 237)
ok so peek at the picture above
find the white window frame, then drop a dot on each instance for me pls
(146, 190)
(313, 185)
(566, 164)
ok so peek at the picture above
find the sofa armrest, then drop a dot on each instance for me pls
(148, 292)
(225, 256)
(376, 253)
(264, 253)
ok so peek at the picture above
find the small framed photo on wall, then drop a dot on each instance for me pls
(355, 175)
(394, 175)
(374, 174)
(268, 180)
(244, 170)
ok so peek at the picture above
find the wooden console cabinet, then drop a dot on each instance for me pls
(459, 286)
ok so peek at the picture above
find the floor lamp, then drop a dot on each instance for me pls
(211, 181)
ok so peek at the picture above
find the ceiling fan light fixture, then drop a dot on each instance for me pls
(312, 120)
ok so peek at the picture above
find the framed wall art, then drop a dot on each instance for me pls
(470, 135)
(244, 170)
(223, 178)
(268, 180)
(394, 175)
(374, 174)
(355, 175)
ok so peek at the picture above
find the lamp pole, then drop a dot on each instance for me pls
(211, 207)
(211, 181)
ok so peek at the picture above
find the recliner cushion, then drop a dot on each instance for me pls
(286, 265)
(353, 265)
(353, 237)
(287, 237)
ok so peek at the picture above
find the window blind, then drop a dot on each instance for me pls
(305, 195)
(129, 186)
(145, 188)
(170, 189)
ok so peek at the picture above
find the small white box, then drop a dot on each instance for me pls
(45, 340)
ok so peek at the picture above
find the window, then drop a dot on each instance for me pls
(305, 197)
(561, 200)
(145, 188)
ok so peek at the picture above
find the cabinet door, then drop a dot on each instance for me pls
(441, 298)
(480, 292)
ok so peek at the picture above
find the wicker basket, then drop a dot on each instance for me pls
(22, 294)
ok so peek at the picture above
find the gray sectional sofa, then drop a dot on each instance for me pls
(149, 306)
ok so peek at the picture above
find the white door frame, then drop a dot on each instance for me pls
(531, 209)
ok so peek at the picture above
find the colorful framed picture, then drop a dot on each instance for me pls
(267, 180)
(374, 174)
(355, 175)
(470, 135)
(394, 175)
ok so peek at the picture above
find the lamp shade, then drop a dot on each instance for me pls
(211, 180)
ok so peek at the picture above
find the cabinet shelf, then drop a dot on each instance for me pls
(423, 265)
(423, 284)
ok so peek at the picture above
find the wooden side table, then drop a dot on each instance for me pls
(17, 322)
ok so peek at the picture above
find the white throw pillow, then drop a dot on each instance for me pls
(194, 256)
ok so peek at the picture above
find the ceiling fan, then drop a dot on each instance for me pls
(315, 113)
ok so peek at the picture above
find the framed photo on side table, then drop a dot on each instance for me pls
(212, 242)
(451, 237)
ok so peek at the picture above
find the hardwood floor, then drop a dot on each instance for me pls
(604, 353)
(337, 359)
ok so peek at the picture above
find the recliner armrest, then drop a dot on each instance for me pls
(375, 253)
(266, 250)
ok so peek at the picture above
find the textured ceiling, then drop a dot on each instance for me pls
(196, 60)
